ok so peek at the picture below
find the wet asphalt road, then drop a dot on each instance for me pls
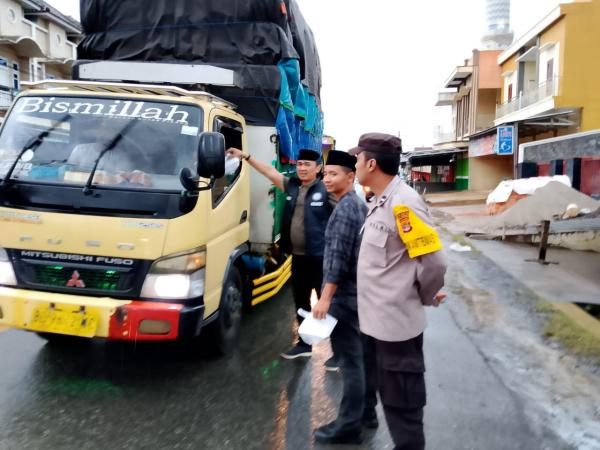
(100, 396)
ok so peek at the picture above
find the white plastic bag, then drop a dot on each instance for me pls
(313, 331)
(231, 165)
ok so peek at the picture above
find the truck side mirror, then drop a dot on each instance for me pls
(211, 155)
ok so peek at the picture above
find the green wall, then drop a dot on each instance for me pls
(462, 174)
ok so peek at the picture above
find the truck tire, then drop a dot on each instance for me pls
(222, 334)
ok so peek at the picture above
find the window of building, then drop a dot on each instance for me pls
(12, 15)
(510, 92)
(16, 77)
(5, 83)
(232, 131)
(550, 69)
(58, 39)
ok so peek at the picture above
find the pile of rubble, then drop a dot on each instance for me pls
(575, 218)
(547, 203)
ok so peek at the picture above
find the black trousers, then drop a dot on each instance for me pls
(370, 365)
(347, 347)
(307, 274)
(400, 375)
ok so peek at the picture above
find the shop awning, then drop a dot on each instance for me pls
(440, 157)
(556, 118)
(458, 76)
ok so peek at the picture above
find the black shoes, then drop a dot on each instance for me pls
(370, 421)
(329, 435)
(300, 350)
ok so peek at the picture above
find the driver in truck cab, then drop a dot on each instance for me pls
(121, 162)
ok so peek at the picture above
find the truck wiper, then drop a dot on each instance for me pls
(87, 189)
(32, 145)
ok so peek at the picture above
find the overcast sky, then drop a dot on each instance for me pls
(384, 61)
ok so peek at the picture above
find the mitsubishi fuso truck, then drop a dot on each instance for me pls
(120, 215)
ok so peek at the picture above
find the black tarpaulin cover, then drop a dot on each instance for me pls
(248, 36)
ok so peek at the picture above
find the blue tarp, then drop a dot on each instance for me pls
(299, 120)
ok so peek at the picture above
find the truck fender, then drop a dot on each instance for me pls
(232, 261)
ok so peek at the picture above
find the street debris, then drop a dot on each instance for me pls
(571, 211)
(553, 199)
(509, 192)
(593, 215)
(456, 247)
(565, 207)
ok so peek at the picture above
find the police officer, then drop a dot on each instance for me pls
(400, 270)
(305, 217)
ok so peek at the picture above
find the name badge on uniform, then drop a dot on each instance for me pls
(315, 199)
(418, 237)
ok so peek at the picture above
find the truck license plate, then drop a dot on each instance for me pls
(72, 322)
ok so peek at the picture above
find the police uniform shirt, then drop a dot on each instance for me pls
(400, 266)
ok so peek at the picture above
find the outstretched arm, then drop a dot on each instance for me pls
(267, 170)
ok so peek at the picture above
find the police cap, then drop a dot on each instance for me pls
(378, 143)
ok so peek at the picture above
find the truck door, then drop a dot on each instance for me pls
(228, 221)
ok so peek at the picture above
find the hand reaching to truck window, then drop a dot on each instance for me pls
(235, 153)
(265, 169)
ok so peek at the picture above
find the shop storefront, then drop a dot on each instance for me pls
(489, 162)
(439, 170)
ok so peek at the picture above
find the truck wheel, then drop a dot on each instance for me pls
(223, 332)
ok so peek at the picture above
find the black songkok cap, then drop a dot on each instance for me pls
(338, 158)
(308, 155)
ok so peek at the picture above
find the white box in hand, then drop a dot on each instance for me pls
(313, 331)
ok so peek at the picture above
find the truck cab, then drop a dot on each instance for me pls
(122, 219)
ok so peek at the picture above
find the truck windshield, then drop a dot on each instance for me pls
(149, 142)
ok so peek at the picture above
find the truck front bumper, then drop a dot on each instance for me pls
(124, 320)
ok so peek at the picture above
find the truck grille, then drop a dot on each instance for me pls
(88, 278)
(104, 280)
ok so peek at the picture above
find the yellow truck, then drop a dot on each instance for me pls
(122, 218)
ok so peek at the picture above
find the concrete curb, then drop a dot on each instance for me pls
(466, 202)
(571, 310)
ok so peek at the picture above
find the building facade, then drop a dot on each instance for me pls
(550, 87)
(36, 42)
(473, 91)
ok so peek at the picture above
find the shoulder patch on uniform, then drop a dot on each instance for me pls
(418, 237)
(403, 220)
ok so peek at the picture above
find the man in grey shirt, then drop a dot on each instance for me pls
(400, 270)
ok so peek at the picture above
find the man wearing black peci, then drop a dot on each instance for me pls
(307, 210)
(338, 297)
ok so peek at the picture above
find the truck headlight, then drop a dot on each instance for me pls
(7, 274)
(176, 277)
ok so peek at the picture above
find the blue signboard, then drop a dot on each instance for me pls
(505, 142)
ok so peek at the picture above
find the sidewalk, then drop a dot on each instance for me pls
(573, 280)
(457, 198)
